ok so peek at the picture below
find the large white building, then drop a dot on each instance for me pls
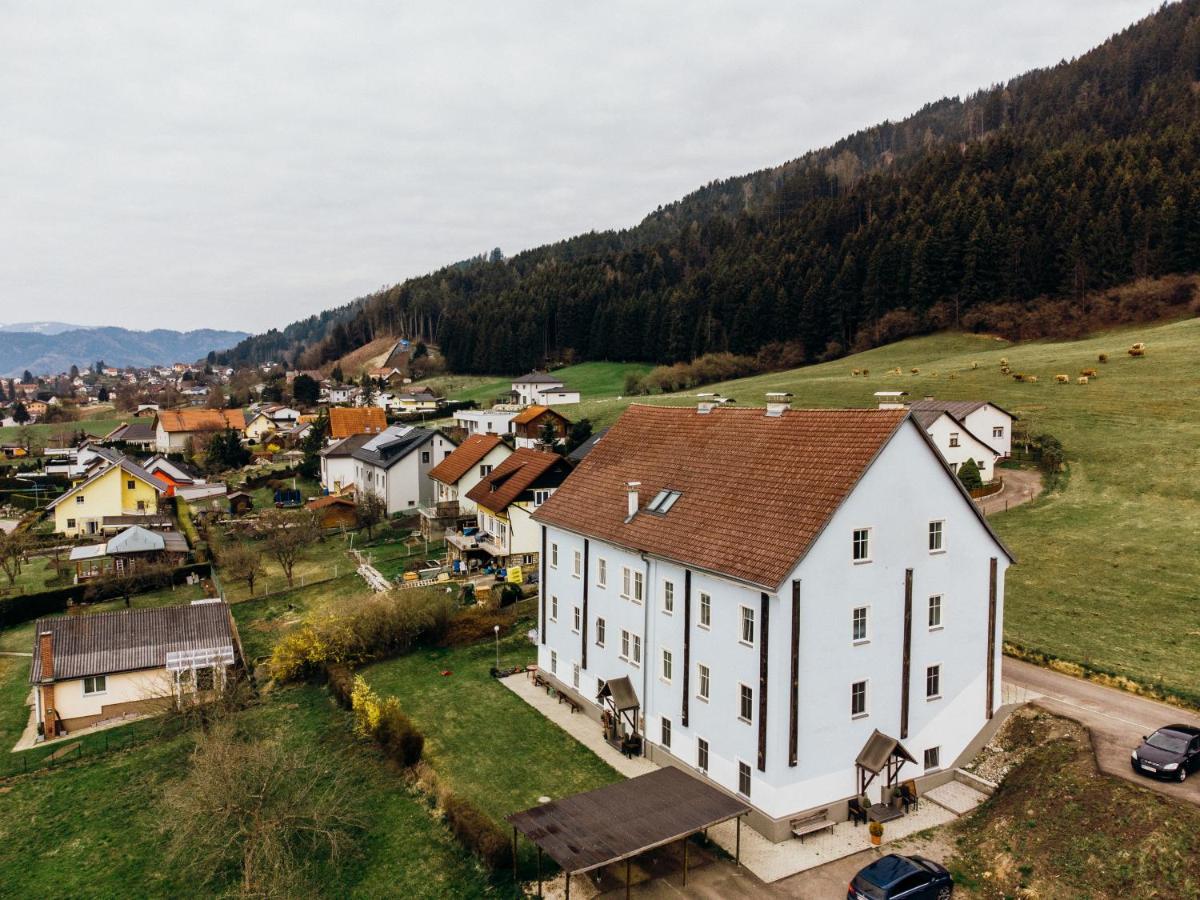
(987, 422)
(776, 587)
(395, 465)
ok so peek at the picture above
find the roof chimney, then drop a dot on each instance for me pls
(632, 494)
(778, 402)
(46, 651)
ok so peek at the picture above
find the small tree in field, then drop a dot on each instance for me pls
(258, 811)
(12, 555)
(968, 474)
(371, 510)
(242, 562)
(286, 533)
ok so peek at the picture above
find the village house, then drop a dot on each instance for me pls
(473, 460)
(173, 475)
(177, 427)
(789, 604)
(93, 668)
(395, 466)
(504, 534)
(530, 423)
(990, 424)
(417, 400)
(122, 488)
(543, 388)
(139, 435)
(485, 421)
(345, 421)
(132, 549)
(956, 442)
(338, 464)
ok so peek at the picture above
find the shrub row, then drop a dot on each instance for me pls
(385, 625)
(476, 831)
(382, 720)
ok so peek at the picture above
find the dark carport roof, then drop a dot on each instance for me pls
(585, 831)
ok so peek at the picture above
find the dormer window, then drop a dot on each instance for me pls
(663, 501)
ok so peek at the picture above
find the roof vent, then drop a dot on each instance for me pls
(778, 402)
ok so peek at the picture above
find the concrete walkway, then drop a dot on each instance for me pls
(768, 861)
(1020, 486)
(1116, 719)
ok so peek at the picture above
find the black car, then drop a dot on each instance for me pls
(1172, 752)
(893, 877)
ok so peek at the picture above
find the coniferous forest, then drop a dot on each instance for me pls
(980, 213)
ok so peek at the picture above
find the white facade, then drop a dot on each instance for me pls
(899, 496)
(993, 426)
(485, 421)
(457, 491)
(337, 472)
(405, 485)
(957, 444)
(557, 397)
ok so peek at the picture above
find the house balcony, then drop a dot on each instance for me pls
(444, 509)
(477, 542)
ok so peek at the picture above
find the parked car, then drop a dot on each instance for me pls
(1171, 752)
(895, 877)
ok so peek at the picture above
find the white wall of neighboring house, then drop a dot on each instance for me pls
(171, 441)
(70, 702)
(406, 485)
(993, 426)
(555, 397)
(458, 491)
(485, 421)
(337, 472)
(958, 444)
(897, 510)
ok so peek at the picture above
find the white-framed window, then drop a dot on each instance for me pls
(858, 625)
(636, 658)
(667, 665)
(702, 754)
(575, 620)
(553, 608)
(954, 439)
(554, 556)
(425, 457)
(997, 431)
(744, 779)
(746, 633)
(540, 496)
(705, 611)
(553, 662)
(639, 587)
(858, 699)
(79, 498)
(485, 470)
(575, 675)
(937, 536)
(95, 684)
(668, 597)
(599, 632)
(625, 642)
(935, 612)
(933, 758)
(703, 681)
(577, 565)
(933, 682)
(745, 703)
(666, 733)
(602, 572)
(861, 545)
(626, 582)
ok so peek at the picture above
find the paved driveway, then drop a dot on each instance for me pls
(1020, 486)
(1116, 719)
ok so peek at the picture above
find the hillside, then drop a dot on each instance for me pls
(1108, 564)
(971, 212)
(55, 351)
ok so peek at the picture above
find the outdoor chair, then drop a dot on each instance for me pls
(909, 797)
(858, 810)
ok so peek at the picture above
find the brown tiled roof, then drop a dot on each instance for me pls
(329, 500)
(529, 413)
(468, 453)
(512, 477)
(129, 639)
(347, 420)
(755, 491)
(201, 419)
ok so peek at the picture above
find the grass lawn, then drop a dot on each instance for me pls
(1108, 566)
(392, 557)
(262, 621)
(106, 819)
(37, 574)
(482, 739)
(325, 559)
(42, 432)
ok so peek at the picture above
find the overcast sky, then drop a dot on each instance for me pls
(242, 165)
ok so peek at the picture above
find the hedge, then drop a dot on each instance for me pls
(476, 830)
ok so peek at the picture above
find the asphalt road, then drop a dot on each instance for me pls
(1116, 719)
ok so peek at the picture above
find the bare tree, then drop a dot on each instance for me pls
(241, 562)
(370, 510)
(286, 532)
(258, 808)
(12, 555)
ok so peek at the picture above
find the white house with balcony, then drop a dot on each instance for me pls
(777, 595)
(543, 389)
(395, 465)
(497, 420)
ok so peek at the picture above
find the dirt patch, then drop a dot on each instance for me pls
(1026, 729)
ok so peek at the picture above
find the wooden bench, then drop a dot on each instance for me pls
(563, 698)
(810, 824)
(539, 681)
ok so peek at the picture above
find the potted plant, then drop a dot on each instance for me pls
(876, 829)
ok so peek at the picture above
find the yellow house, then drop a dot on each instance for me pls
(122, 489)
(260, 427)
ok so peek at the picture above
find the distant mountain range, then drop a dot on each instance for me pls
(46, 348)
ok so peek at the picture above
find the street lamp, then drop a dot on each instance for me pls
(496, 629)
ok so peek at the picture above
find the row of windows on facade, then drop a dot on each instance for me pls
(859, 618)
(632, 584)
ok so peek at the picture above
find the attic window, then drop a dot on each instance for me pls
(663, 501)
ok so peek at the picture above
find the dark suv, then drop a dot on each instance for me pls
(895, 877)
(1171, 752)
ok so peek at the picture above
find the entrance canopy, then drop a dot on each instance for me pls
(879, 751)
(621, 692)
(620, 821)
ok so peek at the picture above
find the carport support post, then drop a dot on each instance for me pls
(515, 852)
(539, 870)
(628, 867)
(737, 847)
(685, 843)
(568, 874)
